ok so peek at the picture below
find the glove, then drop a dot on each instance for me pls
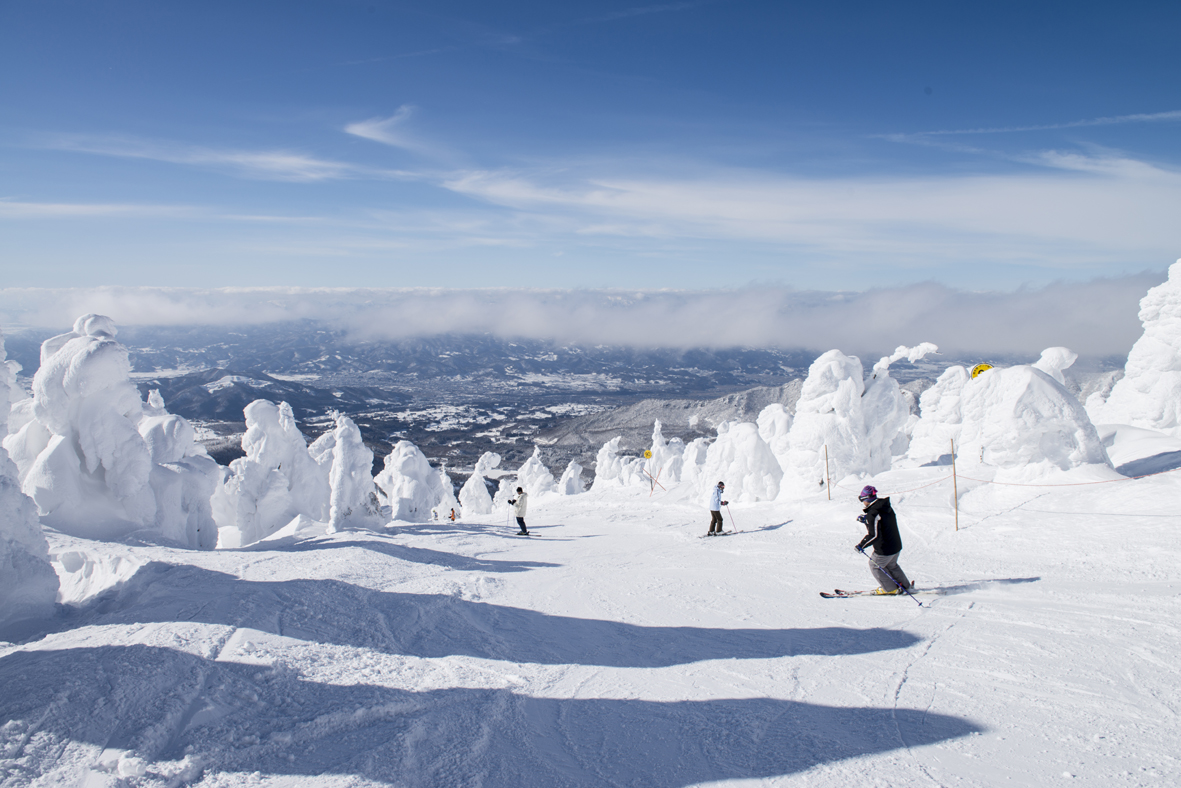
(860, 546)
(863, 519)
(512, 501)
(725, 503)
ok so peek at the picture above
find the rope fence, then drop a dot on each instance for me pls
(955, 477)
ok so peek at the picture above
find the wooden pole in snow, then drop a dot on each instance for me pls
(827, 481)
(955, 487)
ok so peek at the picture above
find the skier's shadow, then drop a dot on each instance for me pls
(250, 718)
(438, 625)
(963, 588)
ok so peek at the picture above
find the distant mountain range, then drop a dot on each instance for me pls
(456, 396)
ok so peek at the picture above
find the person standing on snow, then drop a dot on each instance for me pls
(882, 534)
(519, 504)
(715, 510)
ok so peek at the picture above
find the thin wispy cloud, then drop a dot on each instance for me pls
(13, 209)
(393, 131)
(1095, 318)
(1114, 120)
(1083, 203)
(280, 165)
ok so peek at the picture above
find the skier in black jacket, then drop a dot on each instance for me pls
(882, 534)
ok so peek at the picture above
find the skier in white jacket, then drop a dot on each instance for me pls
(715, 510)
(520, 504)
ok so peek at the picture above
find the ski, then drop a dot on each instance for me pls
(724, 533)
(842, 594)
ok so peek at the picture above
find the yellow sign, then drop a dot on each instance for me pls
(976, 370)
(647, 454)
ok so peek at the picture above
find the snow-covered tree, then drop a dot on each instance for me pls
(571, 482)
(414, 491)
(1021, 419)
(614, 470)
(28, 584)
(473, 497)
(1149, 394)
(352, 496)
(667, 458)
(940, 416)
(743, 460)
(98, 463)
(534, 477)
(275, 482)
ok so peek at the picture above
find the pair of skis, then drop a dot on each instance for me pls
(838, 593)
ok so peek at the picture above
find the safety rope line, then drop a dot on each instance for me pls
(1019, 484)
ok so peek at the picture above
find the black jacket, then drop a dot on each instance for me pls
(882, 528)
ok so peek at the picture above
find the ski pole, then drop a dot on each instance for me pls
(732, 524)
(887, 574)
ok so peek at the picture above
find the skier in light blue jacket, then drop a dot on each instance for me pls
(715, 510)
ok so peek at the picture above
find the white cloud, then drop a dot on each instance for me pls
(1084, 207)
(391, 131)
(1093, 318)
(1113, 120)
(12, 209)
(280, 165)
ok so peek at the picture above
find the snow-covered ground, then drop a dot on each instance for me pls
(617, 648)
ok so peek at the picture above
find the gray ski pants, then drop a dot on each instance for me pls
(883, 567)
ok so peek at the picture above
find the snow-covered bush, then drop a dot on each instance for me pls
(275, 482)
(414, 491)
(28, 584)
(1021, 419)
(571, 482)
(1149, 394)
(98, 463)
(534, 477)
(352, 498)
(743, 460)
(474, 497)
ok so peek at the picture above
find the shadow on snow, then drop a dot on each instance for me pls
(433, 625)
(417, 555)
(233, 717)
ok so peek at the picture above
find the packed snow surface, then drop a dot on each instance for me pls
(617, 647)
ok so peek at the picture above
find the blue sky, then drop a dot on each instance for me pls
(690, 145)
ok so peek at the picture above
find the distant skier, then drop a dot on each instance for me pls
(882, 534)
(520, 503)
(715, 510)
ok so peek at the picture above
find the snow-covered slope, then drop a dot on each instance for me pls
(618, 648)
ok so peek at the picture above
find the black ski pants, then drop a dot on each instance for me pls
(715, 522)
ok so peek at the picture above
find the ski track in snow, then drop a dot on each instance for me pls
(620, 649)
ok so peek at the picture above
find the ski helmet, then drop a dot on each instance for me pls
(868, 493)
